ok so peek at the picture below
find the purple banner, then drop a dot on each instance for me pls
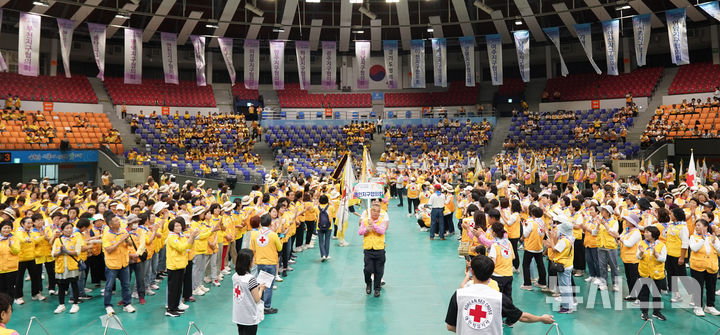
(65, 29)
(226, 48)
(97, 38)
(3, 65)
(198, 43)
(329, 65)
(29, 44)
(168, 42)
(252, 63)
(362, 58)
(277, 63)
(302, 54)
(133, 56)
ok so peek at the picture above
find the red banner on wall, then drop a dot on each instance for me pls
(595, 104)
(47, 106)
(166, 111)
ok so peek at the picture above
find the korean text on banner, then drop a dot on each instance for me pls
(329, 65)
(362, 64)
(467, 46)
(29, 44)
(494, 50)
(198, 43)
(65, 29)
(611, 34)
(277, 63)
(553, 33)
(439, 48)
(302, 54)
(97, 38)
(584, 34)
(133, 56)
(677, 34)
(641, 30)
(392, 63)
(522, 45)
(168, 42)
(226, 49)
(417, 63)
(251, 62)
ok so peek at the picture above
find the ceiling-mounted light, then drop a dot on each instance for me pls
(367, 13)
(356, 1)
(41, 3)
(623, 7)
(358, 31)
(430, 30)
(254, 9)
(312, 1)
(278, 30)
(123, 14)
(392, 1)
(518, 22)
(212, 26)
(483, 7)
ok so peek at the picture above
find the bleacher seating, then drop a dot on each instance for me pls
(293, 96)
(696, 78)
(559, 133)
(46, 88)
(682, 124)
(457, 138)
(14, 138)
(155, 92)
(240, 92)
(457, 95)
(511, 87)
(588, 86)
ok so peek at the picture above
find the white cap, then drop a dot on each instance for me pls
(120, 207)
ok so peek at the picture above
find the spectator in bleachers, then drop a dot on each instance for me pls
(17, 103)
(123, 111)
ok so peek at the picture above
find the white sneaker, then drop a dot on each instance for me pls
(423, 229)
(59, 309)
(207, 280)
(74, 309)
(616, 288)
(588, 279)
(311, 246)
(298, 249)
(154, 287)
(717, 292)
(226, 272)
(129, 308)
(327, 257)
(149, 292)
(676, 298)
(289, 269)
(183, 307)
(220, 277)
(698, 311)
(205, 289)
(712, 310)
(135, 295)
(292, 261)
(39, 297)
(602, 287)
(52, 292)
(216, 283)
(197, 291)
(526, 287)
(88, 290)
(109, 310)
(278, 278)
(19, 301)
(314, 237)
(27, 278)
(598, 281)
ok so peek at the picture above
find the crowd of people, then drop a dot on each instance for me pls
(661, 125)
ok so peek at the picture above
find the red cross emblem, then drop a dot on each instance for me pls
(237, 291)
(477, 313)
(262, 239)
(506, 252)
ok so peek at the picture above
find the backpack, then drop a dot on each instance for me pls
(324, 219)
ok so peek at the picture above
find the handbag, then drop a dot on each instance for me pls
(143, 256)
(81, 264)
(464, 248)
(556, 267)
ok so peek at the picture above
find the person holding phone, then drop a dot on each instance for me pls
(66, 250)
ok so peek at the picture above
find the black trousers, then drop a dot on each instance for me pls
(310, 230)
(175, 281)
(579, 257)
(35, 272)
(97, 268)
(447, 220)
(63, 285)
(284, 255)
(504, 284)
(300, 234)
(516, 260)
(393, 190)
(7, 283)
(187, 281)
(247, 330)
(632, 275)
(707, 282)
(527, 259)
(644, 296)
(400, 192)
(673, 270)
(374, 265)
(413, 203)
(50, 270)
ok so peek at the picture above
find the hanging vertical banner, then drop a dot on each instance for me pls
(522, 45)
(133, 56)
(168, 43)
(97, 38)
(553, 33)
(584, 34)
(641, 30)
(198, 43)
(611, 34)
(226, 49)
(494, 49)
(439, 48)
(677, 34)
(251, 56)
(417, 63)
(277, 63)
(65, 29)
(467, 46)
(392, 62)
(302, 54)
(3, 65)
(362, 67)
(29, 44)
(329, 65)
(712, 8)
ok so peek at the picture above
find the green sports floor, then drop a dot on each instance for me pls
(329, 298)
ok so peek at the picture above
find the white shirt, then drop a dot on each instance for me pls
(436, 200)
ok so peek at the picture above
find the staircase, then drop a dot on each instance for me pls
(128, 139)
(270, 98)
(640, 123)
(500, 133)
(223, 97)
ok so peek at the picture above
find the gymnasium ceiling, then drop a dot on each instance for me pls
(342, 21)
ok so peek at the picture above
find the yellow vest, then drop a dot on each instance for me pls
(72, 243)
(503, 259)
(627, 254)
(533, 241)
(373, 240)
(566, 256)
(605, 239)
(27, 249)
(9, 250)
(672, 239)
(648, 266)
(704, 260)
(413, 191)
(514, 230)
(177, 250)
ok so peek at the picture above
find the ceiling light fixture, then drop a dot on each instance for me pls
(312, 1)
(518, 23)
(356, 1)
(254, 9)
(367, 13)
(278, 30)
(123, 14)
(623, 7)
(358, 31)
(213, 26)
(483, 7)
(430, 30)
(41, 3)
(392, 1)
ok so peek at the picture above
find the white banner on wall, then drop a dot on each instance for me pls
(494, 50)
(168, 42)
(277, 63)
(97, 38)
(611, 34)
(29, 44)
(251, 62)
(362, 69)
(133, 56)
(677, 34)
(198, 43)
(522, 46)
(329, 65)
(226, 49)
(392, 63)
(417, 63)
(302, 54)
(712, 8)
(584, 34)
(553, 33)
(3, 65)
(439, 48)
(641, 30)
(467, 46)
(65, 30)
